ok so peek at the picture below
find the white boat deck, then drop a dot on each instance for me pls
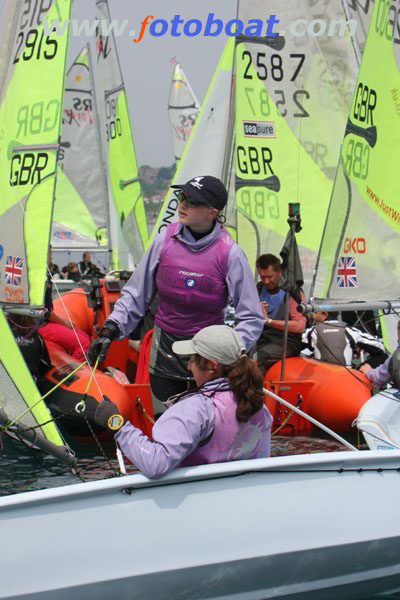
(306, 526)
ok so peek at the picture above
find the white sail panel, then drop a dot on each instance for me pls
(182, 110)
(80, 218)
(122, 168)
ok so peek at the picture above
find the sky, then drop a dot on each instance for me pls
(146, 66)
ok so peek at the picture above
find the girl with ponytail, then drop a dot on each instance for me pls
(223, 419)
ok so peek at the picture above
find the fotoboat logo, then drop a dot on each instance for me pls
(212, 27)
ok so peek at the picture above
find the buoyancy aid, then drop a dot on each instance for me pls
(332, 341)
(232, 440)
(191, 285)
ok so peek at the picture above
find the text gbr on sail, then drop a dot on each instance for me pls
(357, 151)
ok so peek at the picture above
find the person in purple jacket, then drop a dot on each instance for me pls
(388, 371)
(224, 419)
(194, 266)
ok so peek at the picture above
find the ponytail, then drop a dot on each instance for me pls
(246, 383)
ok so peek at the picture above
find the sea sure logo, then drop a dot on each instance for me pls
(259, 129)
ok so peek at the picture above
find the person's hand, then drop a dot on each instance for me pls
(107, 415)
(365, 367)
(264, 309)
(98, 348)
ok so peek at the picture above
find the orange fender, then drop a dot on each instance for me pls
(330, 393)
(73, 305)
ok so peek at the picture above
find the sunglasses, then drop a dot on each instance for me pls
(190, 202)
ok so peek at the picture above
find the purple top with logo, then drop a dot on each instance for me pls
(137, 293)
(179, 431)
(193, 293)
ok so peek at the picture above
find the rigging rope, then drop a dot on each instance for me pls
(29, 409)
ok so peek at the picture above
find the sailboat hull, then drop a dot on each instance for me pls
(318, 526)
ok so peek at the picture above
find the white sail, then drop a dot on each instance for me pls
(80, 218)
(182, 110)
(128, 214)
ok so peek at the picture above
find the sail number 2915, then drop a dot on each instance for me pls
(36, 46)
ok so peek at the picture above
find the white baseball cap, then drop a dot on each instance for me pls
(216, 342)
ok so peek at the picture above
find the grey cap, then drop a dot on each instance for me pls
(216, 342)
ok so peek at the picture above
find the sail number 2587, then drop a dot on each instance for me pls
(275, 67)
(272, 68)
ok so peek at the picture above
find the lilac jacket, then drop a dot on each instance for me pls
(177, 434)
(137, 293)
(381, 375)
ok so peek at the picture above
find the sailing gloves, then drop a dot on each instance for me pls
(99, 346)
(108, 416)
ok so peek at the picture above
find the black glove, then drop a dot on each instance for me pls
(99, 347)
(107, 415)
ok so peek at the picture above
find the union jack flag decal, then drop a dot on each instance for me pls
(346, 272)
(13, 270)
